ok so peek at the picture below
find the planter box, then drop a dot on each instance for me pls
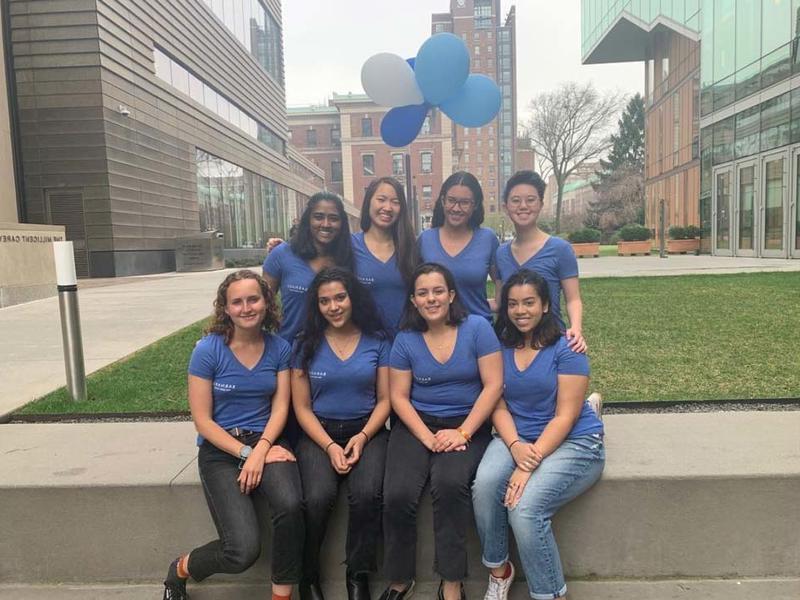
(683, 246)
(588, 250)
(632, 248)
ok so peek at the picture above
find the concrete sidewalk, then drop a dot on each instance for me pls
(117, 318)
(122, 315)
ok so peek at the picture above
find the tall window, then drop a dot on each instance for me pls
(426, 160)
(311, 138)
(366, 127)
(336, 170)
(336, 137)
(397, 163)
(426, 197)
(368, 164)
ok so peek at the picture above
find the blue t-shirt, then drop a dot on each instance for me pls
(344, 389)
(295, 277)
(531, 394)
(384, 281)
(470, 267)
(447, 389)
(554, 261)
(242, 397)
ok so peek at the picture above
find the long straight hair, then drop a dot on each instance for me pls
(340, 249)
(405, 242)
(364, 314)
(546, 332)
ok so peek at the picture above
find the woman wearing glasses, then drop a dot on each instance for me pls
(540, 252)
(457, 241)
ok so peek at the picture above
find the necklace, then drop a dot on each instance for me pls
(343, 349)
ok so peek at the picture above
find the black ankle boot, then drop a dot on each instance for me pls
(358, 587)
(310, 591)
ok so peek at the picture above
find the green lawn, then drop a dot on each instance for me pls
(650, 338)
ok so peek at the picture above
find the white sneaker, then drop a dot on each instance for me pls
(499, 586)
(595, 401)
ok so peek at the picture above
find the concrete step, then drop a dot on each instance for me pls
(676, 589)
(684, 496)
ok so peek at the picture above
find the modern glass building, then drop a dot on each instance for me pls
(747, 106)
(141, 122)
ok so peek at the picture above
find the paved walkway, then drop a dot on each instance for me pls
(120, 316)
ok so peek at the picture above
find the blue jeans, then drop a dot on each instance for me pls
(568, 472)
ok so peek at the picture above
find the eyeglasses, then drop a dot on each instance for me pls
(517, 201)
(462, 203)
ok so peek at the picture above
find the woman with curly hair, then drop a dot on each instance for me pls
(322, 240)
(239, 399)
(340, 392)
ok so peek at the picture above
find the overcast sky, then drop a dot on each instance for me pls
(327, 41)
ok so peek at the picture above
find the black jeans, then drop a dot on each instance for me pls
(364, 490)
(409, 464)
(236, 516)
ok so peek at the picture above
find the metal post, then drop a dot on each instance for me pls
(662, 243)
(67, 283)
(411, 197)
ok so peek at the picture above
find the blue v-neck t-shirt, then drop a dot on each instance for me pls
(555, 261)
(384, 282)
(344, 389)
(295, 277)
(531, 394)
(447, 389)
(470, 267)
(242, 397)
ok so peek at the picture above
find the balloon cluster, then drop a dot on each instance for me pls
(438, 76)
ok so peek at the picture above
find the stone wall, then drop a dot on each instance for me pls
(27, 267)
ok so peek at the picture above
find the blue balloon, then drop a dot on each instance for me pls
(441, 67)
(411, 61)
(475, 104)
(401, 125)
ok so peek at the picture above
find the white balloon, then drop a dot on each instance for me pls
(389, 80)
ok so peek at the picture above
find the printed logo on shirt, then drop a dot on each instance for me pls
(367, 280)
(224, 387)
(317, 374)
(296, 288)
(423, 380)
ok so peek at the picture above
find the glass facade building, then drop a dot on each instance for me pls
(748, 109)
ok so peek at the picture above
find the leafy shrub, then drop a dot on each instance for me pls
(587, 235)
(692, 231)
(241, 263)
(613, 239)
(677, 232)
(546, 226)
(634, 233)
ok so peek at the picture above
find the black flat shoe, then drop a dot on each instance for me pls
(390, 594)
(311, 591)
(358, 587)
(440, 593)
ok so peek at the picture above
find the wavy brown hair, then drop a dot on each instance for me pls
(221, 323)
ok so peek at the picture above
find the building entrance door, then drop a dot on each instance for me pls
(773, 221)
(721, 221)
(745, 226)
(794, 204)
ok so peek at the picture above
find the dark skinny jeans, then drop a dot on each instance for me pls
(364, 491)
(236, 516)
(409, 465)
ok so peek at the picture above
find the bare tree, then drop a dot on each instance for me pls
(570, 126)
(619, 200)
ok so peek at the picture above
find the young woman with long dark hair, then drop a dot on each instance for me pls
(534, 249)
(239, 398)
(446, 378)
(549, 447)
(322, 240)
(340, 392)
(457, 241)
(385, 250)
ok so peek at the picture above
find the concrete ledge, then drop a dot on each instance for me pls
(684, 496)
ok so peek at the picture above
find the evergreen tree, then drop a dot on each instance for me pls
(627, 145)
